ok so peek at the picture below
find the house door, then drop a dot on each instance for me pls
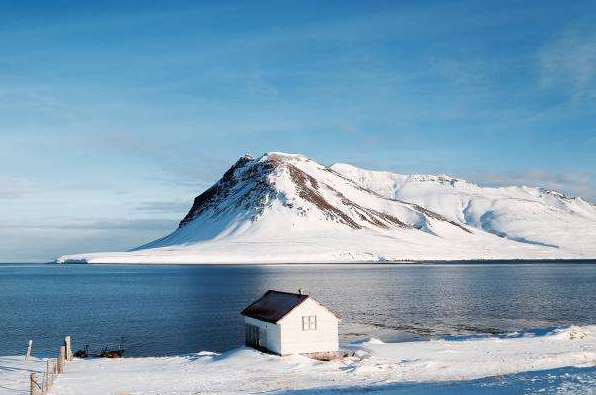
(254, 337)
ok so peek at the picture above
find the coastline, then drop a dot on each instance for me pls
(524, 261)
(423, 366)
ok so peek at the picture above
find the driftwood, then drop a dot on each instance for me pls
(119, 353)
(329, 355)
(84, 353)
(105, 353)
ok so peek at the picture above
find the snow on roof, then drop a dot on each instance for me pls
(273, 305)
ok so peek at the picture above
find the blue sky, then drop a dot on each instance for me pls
(113, 115)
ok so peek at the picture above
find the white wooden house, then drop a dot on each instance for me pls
(287, 323)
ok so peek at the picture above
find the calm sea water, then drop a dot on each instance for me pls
(162, 310)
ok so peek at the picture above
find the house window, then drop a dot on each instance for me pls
(309, 323)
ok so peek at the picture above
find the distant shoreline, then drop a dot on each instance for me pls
(586, 261)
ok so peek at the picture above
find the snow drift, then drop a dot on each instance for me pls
(376, 367)
(287, 208)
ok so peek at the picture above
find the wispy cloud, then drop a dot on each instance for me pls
(191, 166)
(346, 127)
(94, 225)
(569, 63)
(11, 188)
(573, 184)
(162, 206)
(131, 224)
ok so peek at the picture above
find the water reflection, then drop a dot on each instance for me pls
(178, 309)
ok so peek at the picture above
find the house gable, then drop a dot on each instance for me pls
(297, 336)
(309, 306)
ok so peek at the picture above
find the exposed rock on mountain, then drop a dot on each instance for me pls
(287, 208)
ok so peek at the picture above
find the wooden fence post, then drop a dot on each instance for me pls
(45, 388)
(61, 357)
(33, 387)
(29, 350)
(52, 373)
(68, 348)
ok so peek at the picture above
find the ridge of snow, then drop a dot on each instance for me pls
(374, 368)
(525, 214)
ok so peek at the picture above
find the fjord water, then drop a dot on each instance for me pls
(172, 309)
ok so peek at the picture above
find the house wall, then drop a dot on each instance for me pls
(296, 341)
(273, 334)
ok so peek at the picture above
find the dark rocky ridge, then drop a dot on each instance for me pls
(250, 184)
(244, 170)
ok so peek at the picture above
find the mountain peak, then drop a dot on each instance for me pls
(284, 207)
(303, 191)
(284, 155)
(278, 158)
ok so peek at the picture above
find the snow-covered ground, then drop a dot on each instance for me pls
(287, 208)
(561, 361)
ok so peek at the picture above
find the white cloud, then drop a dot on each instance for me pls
(163, 206)
(573, 184)
(138, 224)
(570, 63)
(11, 188)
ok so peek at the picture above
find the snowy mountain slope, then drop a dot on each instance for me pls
(524, 214)
(287, 208)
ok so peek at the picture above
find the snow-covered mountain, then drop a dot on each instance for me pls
(287, 208)
(523, 214)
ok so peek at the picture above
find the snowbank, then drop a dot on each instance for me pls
(423, 367)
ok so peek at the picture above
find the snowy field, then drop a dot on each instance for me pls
(561, 361)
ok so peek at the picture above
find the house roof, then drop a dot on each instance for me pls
(273, 305)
